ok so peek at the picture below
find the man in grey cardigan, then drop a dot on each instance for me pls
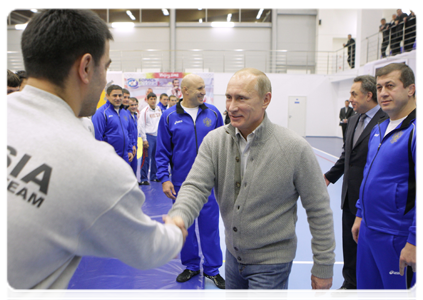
(259, 170)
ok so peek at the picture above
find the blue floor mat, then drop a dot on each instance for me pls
(109, 273)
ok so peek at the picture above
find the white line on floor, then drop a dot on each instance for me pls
(325, 153)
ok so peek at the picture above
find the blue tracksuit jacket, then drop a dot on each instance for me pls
(114, 129)
(178, 139)
(388, 190)
(162, 107)
(134, 129)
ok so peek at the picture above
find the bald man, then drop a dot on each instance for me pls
(182, 128)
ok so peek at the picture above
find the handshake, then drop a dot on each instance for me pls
(178, 222)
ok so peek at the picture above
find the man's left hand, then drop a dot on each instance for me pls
(320, 283)
(134, 150)
(407, 258)
(130, 156)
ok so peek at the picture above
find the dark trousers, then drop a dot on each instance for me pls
(385, 44)
(344, 129)
(349, 247)
(351, 61)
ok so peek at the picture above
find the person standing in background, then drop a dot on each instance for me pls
(351, 51)
(163, 101)
(148, 123)
(344, 114)
(133, 106)
(182, 129)
(172, 100)
(111, 124)
(351, 165)
(384, 28)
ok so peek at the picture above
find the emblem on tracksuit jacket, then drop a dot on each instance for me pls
(395, 137)
(207, 122)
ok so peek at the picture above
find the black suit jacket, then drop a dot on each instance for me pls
(352, 160)
(343, 115)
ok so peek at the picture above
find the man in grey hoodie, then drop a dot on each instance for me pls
(69, 195)
(259, 170)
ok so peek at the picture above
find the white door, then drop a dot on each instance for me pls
(297, 114)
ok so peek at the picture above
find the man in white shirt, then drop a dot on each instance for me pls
(147, 127)
(175, 90)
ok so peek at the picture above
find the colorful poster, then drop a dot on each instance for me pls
(141, 84)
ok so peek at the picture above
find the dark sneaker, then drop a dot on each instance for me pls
(156, 180)
(186, 275)
(144, 183)
(217, 280)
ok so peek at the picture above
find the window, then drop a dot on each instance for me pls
(154, 15)
(250, 15)
(221, 15)
(190, 15)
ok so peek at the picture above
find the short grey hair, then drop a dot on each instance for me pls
(263, 85)
(368, 84)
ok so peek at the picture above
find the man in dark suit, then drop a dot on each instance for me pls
(351, 164)
(344, 114)
(384, 28)
(351, 51)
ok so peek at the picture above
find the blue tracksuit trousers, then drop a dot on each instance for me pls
(151, 159)
(208, 227)
(378, 260)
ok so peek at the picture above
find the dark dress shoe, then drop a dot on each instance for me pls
(156, 180)
(217, 280)
(186, 275)
(343, 292)
(144, 183)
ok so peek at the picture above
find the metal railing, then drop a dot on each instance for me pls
(229, 61)
(393, 40)
(219, 61)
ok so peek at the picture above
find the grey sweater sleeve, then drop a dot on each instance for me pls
(315, 199)
(197, 187)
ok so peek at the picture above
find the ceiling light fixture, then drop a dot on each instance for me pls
(34, 10)
(129, 13)
(165, 11)
(123, 25)
(222, 24)
(20, 26)
(259, 13)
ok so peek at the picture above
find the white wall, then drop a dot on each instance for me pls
(336, 23)
(296, 32)
(208, 38)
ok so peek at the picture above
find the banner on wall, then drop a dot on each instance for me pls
(141, 84)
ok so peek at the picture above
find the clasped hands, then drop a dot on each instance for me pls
(178, 222)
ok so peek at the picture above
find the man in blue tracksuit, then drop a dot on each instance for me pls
(163, 101)
(112, 124)
(133, 106)
(181, 131)
(385, 226)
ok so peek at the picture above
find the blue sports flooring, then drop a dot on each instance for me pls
(106, 273)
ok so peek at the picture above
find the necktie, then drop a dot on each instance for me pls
(359, 129)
